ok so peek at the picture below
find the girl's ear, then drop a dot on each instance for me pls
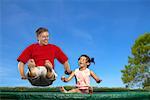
(88, 63)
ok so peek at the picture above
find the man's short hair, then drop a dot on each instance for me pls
(41, 30)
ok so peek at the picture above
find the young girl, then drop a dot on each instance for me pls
(82, 76)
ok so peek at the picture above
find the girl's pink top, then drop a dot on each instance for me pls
(83, 78)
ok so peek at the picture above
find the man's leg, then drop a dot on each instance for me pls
(31, 67)
(49, 68)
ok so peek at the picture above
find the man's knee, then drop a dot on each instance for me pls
(31, 63)
(32, 72)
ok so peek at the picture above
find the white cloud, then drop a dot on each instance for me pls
(83, 36)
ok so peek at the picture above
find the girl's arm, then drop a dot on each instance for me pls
(69, 78)
(95, 77)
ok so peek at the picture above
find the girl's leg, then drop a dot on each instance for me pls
(62, 89)
(74, 91)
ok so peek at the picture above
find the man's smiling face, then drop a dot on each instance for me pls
(43, 38)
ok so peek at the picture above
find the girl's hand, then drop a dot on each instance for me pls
(63, 78)
(99, 81)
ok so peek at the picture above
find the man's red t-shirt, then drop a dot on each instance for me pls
(41, 53)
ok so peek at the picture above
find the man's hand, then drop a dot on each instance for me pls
(23, 77)
(68, 72)
(67, 68)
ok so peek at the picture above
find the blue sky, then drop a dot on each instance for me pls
(103, 29)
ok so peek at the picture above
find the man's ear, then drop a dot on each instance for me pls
(38, 37)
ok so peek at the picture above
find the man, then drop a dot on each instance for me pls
(40, 57)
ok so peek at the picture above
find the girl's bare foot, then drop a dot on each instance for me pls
(90, 90)
(62, 89)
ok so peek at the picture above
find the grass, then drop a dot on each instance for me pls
(52, 93)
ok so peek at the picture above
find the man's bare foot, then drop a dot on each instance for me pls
(48, 64)
(62, 89)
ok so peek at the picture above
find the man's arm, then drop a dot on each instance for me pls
(95, 77)
(69, 78)
(67, 68)
(21, 70)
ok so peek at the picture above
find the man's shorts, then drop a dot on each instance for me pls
(40, 79)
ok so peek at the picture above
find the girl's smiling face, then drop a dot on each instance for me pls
(83, 62)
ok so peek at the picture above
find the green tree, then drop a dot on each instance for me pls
(137, 72)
